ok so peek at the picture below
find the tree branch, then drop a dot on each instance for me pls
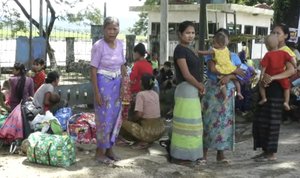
(27, 15)
(52, 19)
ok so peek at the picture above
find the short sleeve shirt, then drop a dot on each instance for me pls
(39, 96)
(192, 61)
(274, 61)
(147, 102)
(106, 58)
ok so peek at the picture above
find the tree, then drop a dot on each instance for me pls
(11, 18)
(286, 11)
(90, 15)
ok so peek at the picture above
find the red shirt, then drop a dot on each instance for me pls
(39, 79)
(140, 67)
(274, 61)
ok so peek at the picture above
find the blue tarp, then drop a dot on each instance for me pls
(22, 50)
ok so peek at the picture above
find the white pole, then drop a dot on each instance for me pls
(164, 31)
(41, 18)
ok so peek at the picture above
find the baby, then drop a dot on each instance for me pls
(273, 63)
(221, 56)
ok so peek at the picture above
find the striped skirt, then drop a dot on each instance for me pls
(266, 124)
(187, 130)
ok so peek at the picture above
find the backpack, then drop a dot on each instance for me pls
(82, 128)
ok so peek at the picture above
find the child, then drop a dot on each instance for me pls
(148, 126)
(140, 67)
(274, 63)
(38, 68)
(6, 92)
(221, 56)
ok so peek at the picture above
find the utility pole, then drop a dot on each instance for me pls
(41, 18)
(202, 31)
(30, 35)
(104, 10)
(164, 31)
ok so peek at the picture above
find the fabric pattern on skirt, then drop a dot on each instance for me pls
(187, 130)
(266, 124)
(149, 130)
(108, 114)
(218, 118)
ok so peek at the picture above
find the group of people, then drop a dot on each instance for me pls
(22, 87)
(203, 115)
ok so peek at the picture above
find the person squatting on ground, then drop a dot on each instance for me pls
(221, 56)
(107, 70)
(21, 87)
(45, 97)
(147, 126)
(273, 63)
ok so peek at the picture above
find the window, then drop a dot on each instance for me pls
(230, 28)
(248, 30)
(212, 28)
(155, 28)
(261, 31)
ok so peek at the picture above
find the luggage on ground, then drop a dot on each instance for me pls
(53, 150)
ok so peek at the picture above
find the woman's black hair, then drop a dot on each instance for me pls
(285, 29)
(184, 25)
(148, 81)
(52, 76)
(21, 82)
(140, 48)
(40, 61)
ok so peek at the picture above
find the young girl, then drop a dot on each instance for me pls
(221, 56)
(274, 63)
(38, 68)
(147, 125)
(140, 67)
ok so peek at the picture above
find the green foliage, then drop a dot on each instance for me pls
(11, 18)
(279, 7)
(90, 16)
(141, 26)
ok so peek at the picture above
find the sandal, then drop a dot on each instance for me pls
(114, 157)
(106, 161)
(201, 161)
(223, 161)
(140, 146)
(258, 156)
(266, 159)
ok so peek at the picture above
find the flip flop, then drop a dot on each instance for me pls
(223, 161)
(106, 161)
(258, 156)
(265, 159)
(114, 157)
(201, 162)
(140, 146)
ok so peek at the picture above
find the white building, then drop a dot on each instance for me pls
(249, 20)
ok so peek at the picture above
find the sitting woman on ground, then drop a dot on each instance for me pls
(147, 126)
(43, 96)
(21, 87)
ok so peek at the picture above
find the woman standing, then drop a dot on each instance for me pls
(186, 139)
(218, 117)
(107, 69)
(266, 124)
(21, 87)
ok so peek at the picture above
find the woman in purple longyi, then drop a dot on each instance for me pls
(107, 65)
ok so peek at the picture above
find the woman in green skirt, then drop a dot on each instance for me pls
(186, 139)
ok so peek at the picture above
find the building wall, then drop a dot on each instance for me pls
(242, 18)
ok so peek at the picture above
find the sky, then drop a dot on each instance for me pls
(117, 8)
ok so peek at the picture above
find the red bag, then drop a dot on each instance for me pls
(82, 128)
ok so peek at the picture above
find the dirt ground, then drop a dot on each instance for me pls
(153, 163)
